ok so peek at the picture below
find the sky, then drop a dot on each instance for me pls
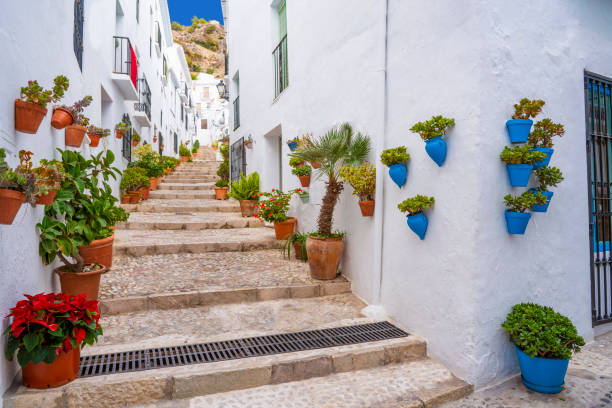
(183, 10)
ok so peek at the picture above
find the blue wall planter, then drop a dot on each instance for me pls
(518, 129)
(305, 199)
(544, 207)
(516, 222)
(418, 224)
(545, 375)
(398, 173)
(544, 162)
(436, 149)
(292, 146)
(519, 174)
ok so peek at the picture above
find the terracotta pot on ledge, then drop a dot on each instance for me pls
(324, 256)
(221, 193)
(99, 251)
(28, 116)
(64, 369)
(74, 135)
(247, 207)
(77, 283)
(283, 229)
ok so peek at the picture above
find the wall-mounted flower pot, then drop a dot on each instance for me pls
(545, 375)
(305, 181)
(519, 174)
(248, 207)
(28, 116)
(518, 130)
(249, 145)
(134, 143)
(367, 208)
(94, 140)
(543, 207)
(544, 162)
(324, 256)
(516, 222)
(283, 229)
(292, 146)
(305, 198)
(119, 134)
(436, 149)
(184, 159)
(61, 118)
(418, 224)
(221, 193)
(398, 173)
(10, 203)
(83, 282)
(64, 369)
(46, 199)
(154, 140)
(99, 251)
(134, 196)
(315, 165)
(74, 135)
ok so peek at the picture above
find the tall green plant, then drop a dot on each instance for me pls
(247, 188)
(223, 170)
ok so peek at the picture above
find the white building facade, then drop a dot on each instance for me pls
(385, 65)
(210, 110)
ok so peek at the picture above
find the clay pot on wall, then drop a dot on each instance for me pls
(324, 256)
(28, 116)
(10, 203)
(94, 140)
(119, 134)
(46, 199)
(74, 135)
(134, 196)
(61, 118)
(367, 208)
(305, 181)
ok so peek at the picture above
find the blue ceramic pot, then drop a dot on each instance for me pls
(436, 149)
(398, 173)
(544, 207)
(305, 199)
(518, 129)
(292, 145)
(418, 224)
(544, 162)
(516, 222)
(519, 174)
(545, 375)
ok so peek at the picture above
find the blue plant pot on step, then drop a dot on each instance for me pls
(544, 207)
(544, 162)
(436, 149)
(518, 129)
(516, 222)
(519, 174)
(398, 173)
(418, 224)
(545, 375)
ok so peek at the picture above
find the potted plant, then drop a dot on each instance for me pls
(275, 209)
(221, 187)
(337, 148)
(132, 181)
(135, 139)
(396, 159)
(304, 195)
(151, 162)
(121, 128)
(215, 145)
(295, 162)
(246, 191)
(248, 142)
(50, 175)
(431, 131)
(547, 177)
(519, 163)
(296, 240)
(79, 224)
(95, 133)
(541, 139)
(16, 187)
(184, 153)
(293, 143)
(544, 341)
(516, 216)
(416, 219)
(194, 151)
(363, 181)
(520, 124)
(75, 133)
(304, 174)
(32, 107)
(47, 333)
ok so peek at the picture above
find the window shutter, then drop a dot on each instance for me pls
(204, 124)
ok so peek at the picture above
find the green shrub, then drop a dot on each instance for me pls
(539, 331)
(209, 44)
(176, 26)
(196, 144)
(362, 179)
(548, 177)
(135, 136)
(527, 108)
(416, 204)
(210, 28)
(521, 155)
(294, 162)
(247, 188)
(396, 155)
(302, 171)
(434, 127)
(524, 201)
(210, 71)
(134, 178)
(34, 93)
(221, 183)
(184, 151)
(543, 132)
(196, 68)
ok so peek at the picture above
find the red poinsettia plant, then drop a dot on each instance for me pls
(275, 208)
(44, 325)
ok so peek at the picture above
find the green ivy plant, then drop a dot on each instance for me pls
(527, 108)
(543, 132)
(521, 155)
(362, 179)
(434, 127)
(396, 155)
(416, 204)
(34, 93)
(548, 177)
(247, 188)
(524, 202)
(302, 171)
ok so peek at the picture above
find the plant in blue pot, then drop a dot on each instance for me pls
(293, 144)
(431, 131)
(520, 124)
(544, 341)
(516, 213)
(414, 206)
(541, 139)
(547, 177)
(396, 159)
(519, 163)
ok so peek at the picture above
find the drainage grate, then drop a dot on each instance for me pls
(149, 359)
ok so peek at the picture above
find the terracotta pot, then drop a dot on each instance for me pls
(46, 199)
(99, 251)
(324, 256)
(144, 193)
(154, 140)
(297, 248)
(367, 208)
(305, 181)
(248, 144)
(94, 140)
(61, 118)
(184, 159)
(215, 148)
(221, 193)
(74, 135)
(62, 370)
(134, 196)
(28, 116)
(282, 230)
(153, 182)
(78, 283)
(247, 207)
(125, 199)
(10, 203)
(315, 165)
(157, 182)
(119, 134)
(134, 142)
(194, 155)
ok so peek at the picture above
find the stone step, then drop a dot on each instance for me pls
(195, 221)
(183, 194)
(186, 186)
(154, 242)
(203, 172)
(190, 180)
(181, 207)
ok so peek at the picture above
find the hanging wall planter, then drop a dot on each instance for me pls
(74, 135)
(396, 159)
(516, 222)
(436, 149)
(520, 124)
(416, 219)
(305, 198)
(46, 199)
(516, 213)
(547, 177)
(315, 165)
(31, 109)
(398, 173)
(431, 131)
(61, 118)
(519, 163)
(367, 208)
(418, 224)
(519, 174)
(292, 146)
(305, 181)
(94, 139)
(303, 172)
(28, 116)
(363, 181)
(10, 203)
(541, 139)
(542, 207)
(546, 161)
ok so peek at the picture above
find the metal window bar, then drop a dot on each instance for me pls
(281, 67)
(158, 35)
(598, 102)
(137, 11)
(237, 112)
(126, 150)
(175, 143)
(77, 35)
(144, 98)
(237, 159)
(123, 56)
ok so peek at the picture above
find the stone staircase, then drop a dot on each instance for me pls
(190, 270)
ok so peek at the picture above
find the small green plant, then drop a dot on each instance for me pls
(194, 76)
(524, 201)
(416, 204)
(122, 127)
(247, 188)
(296, 238)
(539, 331)
(302, 171)
(196, 68)
(176, 26)
(135, 137)
(396, 155)
(196, 144)
(210, 28)
(521, 155)
(434, 127)
(134, 178)
(548, 177)
(184, 151)
(77, 108)
(23, 179)
(223, 170)
(210, 71)
(221, 183)
(34, 93)
(94, 130)
(527, 108)
(194, 149)
(362, 179)
(543, 132)
(275, 208)
(294, 162)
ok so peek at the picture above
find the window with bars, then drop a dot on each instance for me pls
(138, 11)
(126, 150)
(281, 63)
(77, 36)
(175, 143)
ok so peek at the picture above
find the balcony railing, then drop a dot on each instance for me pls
(281, 73)
(144, 98)
(125, 59)
(237, 112)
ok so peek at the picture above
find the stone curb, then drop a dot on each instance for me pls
(178, 186)
(242, 222)
(212, 207)
(168, 194)
(195, 247)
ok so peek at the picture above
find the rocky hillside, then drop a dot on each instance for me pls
(204, 45)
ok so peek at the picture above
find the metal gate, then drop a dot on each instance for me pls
(127, 140)
(237, 159)
(599, 155)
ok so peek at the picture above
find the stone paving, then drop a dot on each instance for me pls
(183, 206)
(191, 221)
(185, 186)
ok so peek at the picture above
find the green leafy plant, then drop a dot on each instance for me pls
(184, 151)
(539, 331)
(77, 109)
(221, 183)
(23, 179)
(295, 162)
(194, 76)
(396, 155)
(296, 238)
(94, 130)
(247, 188)
(416, 204)
(275, 208)
(194, 149)
(122, 127)
(196, 144)
(134, 178)
(135, 137)
(527, 108)
(49, 175)
(223, 170)
(210, 28)
(176, 26)
(548, 177)
(34, 93)
(434, 127)
(302, 171)
(524, 202)
(543, 132)
(362, 179)
(210, 71)
(521, 155)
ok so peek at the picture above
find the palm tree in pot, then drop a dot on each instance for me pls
(337, 148)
